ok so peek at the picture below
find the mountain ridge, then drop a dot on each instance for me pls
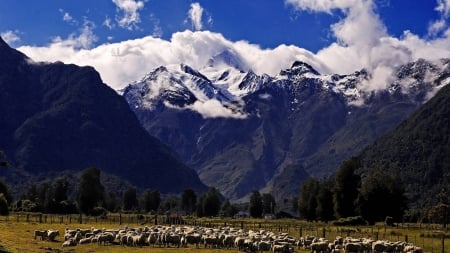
(59, 117)
(298, 119)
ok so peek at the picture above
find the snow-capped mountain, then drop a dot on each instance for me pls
(243, 131)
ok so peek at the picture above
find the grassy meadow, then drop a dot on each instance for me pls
(16, 234)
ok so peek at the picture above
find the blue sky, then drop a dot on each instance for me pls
(338, 36)
(267, 23)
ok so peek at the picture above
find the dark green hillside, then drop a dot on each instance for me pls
(57, 117)
(418, 149)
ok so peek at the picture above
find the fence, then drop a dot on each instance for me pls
(432, 238)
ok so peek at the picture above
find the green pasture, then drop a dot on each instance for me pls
(17, 232)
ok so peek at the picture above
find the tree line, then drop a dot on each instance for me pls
(377, 196)
(91, 198)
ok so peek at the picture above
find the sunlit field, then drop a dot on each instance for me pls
(17, 235)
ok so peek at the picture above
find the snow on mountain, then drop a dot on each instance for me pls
(225, 80)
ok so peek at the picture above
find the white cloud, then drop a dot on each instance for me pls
(157, 29)
(195, 16)
(108, 23)
(214, 109)
(83, 39)
(67, 17)
(443, 7)
(130, 13)
(10, 37)
(363, 41)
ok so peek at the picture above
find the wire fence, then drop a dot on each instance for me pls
(431, 237)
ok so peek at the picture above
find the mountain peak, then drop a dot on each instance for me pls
(228, 58)
(9, 56)
(304, 67)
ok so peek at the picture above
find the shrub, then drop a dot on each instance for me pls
(389, 221)
(99, 211)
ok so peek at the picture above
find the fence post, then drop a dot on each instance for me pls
(323, 232)
(442, 243)
(301, 231)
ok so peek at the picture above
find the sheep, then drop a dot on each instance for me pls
(412, 249)
(228, 241)
(319, 247)
(353, 247)
(192, 239)
(69, 243)
(152, 238)
(282, 248)
(86, 240)
(40, 233)
(52, 234)
(264, 246)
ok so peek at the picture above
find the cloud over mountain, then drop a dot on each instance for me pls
(362, 41)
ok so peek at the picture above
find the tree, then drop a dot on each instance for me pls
(256, 204)
(209, 204)
(307, 202)
(4, 189)
(228, 209)
(346, 188)
(440, 213)
(268, 203)
(324, 199)
(129, 199)
(188, 200)
(90, 190)
(60, 190)
(383, 193)
(151, 199)
(4, 210)
(111, 202)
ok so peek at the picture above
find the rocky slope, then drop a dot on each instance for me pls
(242, 131)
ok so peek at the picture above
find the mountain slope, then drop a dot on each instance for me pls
(59, 117)
(418, 150)
(271, 130)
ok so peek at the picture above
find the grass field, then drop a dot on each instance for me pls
(16, 235)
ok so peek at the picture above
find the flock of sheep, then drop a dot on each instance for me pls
(225, 237)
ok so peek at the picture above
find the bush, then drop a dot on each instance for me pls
(351, 221)
(389, 221)
(99, 211)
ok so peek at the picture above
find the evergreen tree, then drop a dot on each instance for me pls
(228, 209)
(5, 191)
(268, 202)
(151, 199)
(307, 202)
(60, 190)
(324, 198)
(346, 188)
(129, 199)
(90, 190)
(111, 201)
(188, 200)
(209, 204)
(383, 193)
(4, 210)
(256, 204)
